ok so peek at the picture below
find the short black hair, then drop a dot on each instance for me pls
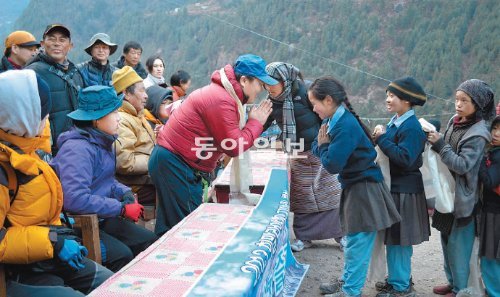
(131, 45)
(83, 124)
(151, 61)
(179, 77)
(130, 89)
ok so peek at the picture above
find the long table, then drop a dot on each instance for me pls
(262, 162)
(219, 250)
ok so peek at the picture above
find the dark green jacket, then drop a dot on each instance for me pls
(307, 121)
(138, 68)
(64, 86)
(5, 65)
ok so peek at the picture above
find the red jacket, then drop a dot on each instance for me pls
(209, 112)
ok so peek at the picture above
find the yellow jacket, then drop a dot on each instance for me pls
(135, 143)
(38, 203)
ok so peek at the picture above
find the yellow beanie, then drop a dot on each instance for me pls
(124, 78)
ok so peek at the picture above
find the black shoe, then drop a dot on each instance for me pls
(385, 286)
(393, 293)
(331, 288)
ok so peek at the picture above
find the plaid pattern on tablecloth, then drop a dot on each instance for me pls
(173, 264)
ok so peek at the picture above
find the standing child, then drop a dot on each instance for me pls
(366, 206)
(489, 234)
(404, 143)
(461, 149)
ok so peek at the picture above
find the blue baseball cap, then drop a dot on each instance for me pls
(94, 102)
(254, 66)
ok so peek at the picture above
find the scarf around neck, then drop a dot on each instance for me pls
(288, 74)
(241, 171)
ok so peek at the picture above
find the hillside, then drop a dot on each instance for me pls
(9, 14)
(441, 43)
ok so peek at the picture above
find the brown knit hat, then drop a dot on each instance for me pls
(124, 78)
(407, 88)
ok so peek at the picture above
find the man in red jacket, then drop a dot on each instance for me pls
(209, 123)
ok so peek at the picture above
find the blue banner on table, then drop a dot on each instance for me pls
(258, 261)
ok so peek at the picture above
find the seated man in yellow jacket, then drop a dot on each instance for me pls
(136, 139)
(41, 257)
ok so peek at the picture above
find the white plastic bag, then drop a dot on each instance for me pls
(475, 281)
(383, 162)
(378, 262)
(438, 181)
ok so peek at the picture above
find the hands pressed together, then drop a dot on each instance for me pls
(261, 112)
(323, 135)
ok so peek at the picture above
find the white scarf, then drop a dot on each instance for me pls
(241, 171)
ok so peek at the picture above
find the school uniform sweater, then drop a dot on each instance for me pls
(404, 143)
(489, 174)
(349, 153)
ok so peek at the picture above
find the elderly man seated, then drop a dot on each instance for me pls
(136, 139)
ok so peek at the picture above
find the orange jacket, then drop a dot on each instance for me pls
(38, 203)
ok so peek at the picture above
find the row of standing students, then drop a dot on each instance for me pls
(344, 146)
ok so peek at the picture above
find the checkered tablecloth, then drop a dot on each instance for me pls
(262, 162)
(176, 261)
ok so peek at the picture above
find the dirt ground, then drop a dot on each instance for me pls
(326, 261)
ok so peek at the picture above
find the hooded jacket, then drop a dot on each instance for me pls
(210, 115)
(86, 166)
(39, 199)
(465, 163)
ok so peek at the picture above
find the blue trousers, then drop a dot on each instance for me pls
(457, 249)
(399, 266)
(490, 271)
(357, 254)
(178, 186)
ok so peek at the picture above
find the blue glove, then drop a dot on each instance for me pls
(73, 253)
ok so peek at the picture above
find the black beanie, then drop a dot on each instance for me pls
(45, 99)
(407, 88)
(156, 95)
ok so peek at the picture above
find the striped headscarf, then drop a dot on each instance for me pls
(286, 73)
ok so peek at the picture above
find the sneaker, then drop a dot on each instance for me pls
(442, 290)
(385, 286)
(340, 294)
(342, 242)
(298, 245)
(331, 288)
(394, 293)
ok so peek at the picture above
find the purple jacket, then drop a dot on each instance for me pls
(85, 165)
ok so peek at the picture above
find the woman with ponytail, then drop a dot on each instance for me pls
(366, 206)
